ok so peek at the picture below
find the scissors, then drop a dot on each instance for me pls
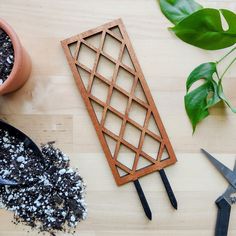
(227, 199)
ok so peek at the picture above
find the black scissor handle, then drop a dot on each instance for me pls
(223, 216)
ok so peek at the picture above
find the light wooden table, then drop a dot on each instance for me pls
(49, 107)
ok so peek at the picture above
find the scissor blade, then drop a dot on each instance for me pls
(229, 175)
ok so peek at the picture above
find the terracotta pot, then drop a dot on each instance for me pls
(22, 63)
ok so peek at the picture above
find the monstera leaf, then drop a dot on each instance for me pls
(177, 10)
(200, 99)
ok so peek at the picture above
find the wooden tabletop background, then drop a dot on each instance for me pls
(49, 107)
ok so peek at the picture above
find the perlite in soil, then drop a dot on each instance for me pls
(51, 194)
(6, 56)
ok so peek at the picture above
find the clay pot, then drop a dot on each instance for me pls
(22, 63)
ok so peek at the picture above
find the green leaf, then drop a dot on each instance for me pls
(204, 29)
(195, 105)
(177, 10)
(201, 98)
(205, 70)
(213, 98)
(223, 97)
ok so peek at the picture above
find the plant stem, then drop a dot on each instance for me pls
(226, 55)
(231, 63)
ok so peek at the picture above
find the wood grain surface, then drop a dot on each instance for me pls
(49, 107)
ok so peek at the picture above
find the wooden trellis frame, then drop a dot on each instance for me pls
(116, 30)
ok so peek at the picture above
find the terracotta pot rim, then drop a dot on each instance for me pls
(17, 52)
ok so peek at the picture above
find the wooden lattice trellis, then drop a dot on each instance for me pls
(87, 78)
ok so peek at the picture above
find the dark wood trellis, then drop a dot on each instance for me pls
(143, 99)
